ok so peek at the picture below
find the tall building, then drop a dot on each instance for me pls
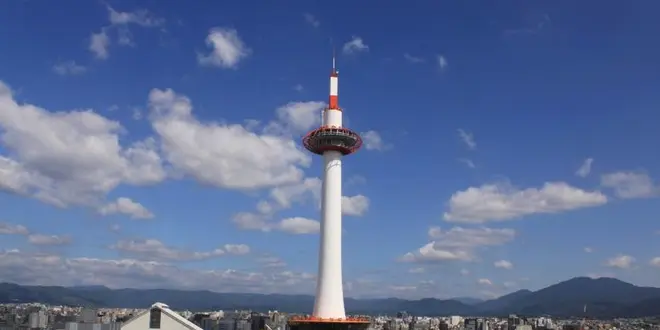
(38, 320)
(88, 315)
(332, 141)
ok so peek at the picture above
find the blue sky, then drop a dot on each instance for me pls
(507, 145)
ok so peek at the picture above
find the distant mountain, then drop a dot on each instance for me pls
(468, 300)
(503, 302)
(604, 298)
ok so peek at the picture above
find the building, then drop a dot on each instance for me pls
(38, 320)
(160, 317)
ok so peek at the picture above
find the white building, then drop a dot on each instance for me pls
(159, 317)
(38, 320)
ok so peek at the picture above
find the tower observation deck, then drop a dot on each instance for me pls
(332, 141)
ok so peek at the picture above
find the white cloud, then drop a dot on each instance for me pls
(373, 141)
(500, 202)
(621, 261)
(588, 250)
(11, 229)
(296, 118)
(72, 157)
(227, 49)
(69, 68)
(484, 281)
(413, 59)
(50, 269)
(33, 238)
(504, 264)
(271, 262)
(585, 169)
(283, 197)
(286, 195)
(355, 205)
(99, 43)
(311, 20)
(355, 45)
(140, 17)
(251, 221)
(467, 138)
(298, 88)
(244, 160)
(152, 249)
(629, 185)
(442, 62)
(417, 270)
(655, 262)
(299, 225)
(40, 239)
(467, 162)
(128, 207)
(458, 243)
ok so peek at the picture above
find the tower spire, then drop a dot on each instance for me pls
(333, 101)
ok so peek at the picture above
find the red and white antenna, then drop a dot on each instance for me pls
(333, 102)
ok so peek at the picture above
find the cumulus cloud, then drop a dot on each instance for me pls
(40, 239)
(227, 49)
(355, 205)
(283, 198)
(271, 262)
(49, 269)
(458, 243)
(99, 42)
(373, 141)
(152, 249)
(484, 281)
(244, 160)
(128, 207)
(296, 118)
(620, 261)
(504, 264)
(500, 202)
(33, 238)
(628, 185)
(11, 229)
(72, 157)
(299, 225)
(655, 262)
(355, 45)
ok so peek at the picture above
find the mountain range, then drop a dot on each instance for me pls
(604, 298)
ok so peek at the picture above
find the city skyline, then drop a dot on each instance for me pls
(159, 146)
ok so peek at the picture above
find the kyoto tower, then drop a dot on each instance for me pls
(332, 141)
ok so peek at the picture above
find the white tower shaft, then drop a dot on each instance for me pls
(329, 288)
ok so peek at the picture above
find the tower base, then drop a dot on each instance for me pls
(328, 324)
